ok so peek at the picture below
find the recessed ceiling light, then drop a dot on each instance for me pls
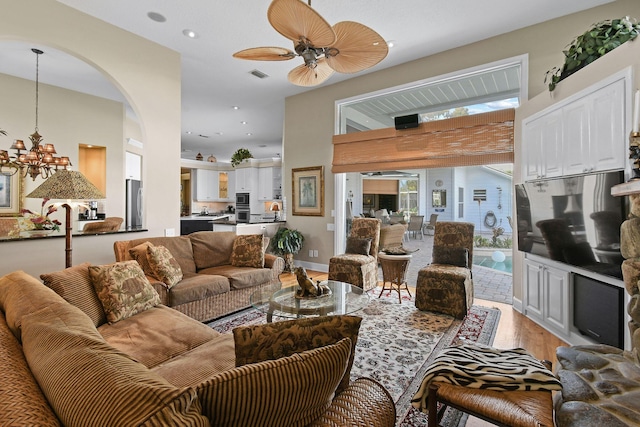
(190, 33)
(155, 16)
(189, 132)
(243, 122)
(235, 107)
(219, 133)
(391, 43)
(249, 134)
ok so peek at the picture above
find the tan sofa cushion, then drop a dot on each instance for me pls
(271, 341)
(62, 346)
(197, 287)
(157, 335)
(291, 391)
(179, 246)
(139, 253)
(241, 277)
(74, 285)
(21, 294)
(212, 248)
(123, 289)
(22, 402)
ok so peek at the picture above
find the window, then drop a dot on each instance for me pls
(480, 195)
(408, 195)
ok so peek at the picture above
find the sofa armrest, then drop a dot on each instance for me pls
(121, 250)
(364, 402)
(274, 262)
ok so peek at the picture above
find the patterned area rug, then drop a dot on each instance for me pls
(396, 344)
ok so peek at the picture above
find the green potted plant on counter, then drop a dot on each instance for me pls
(239, 156)
(287, 243)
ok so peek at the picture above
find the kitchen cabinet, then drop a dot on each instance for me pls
(542, 147)
(206, 183)
(546, 295)
(582, 135)
(269, 183)
(214, 186)
(594, 126)
(246, 180)
(133, 166)
(188, 226)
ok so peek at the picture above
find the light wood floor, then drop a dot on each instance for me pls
(514, 330)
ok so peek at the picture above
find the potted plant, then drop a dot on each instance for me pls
(602, 38)
(239, 156)
(286, 243)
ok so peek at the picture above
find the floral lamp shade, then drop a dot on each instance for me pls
(67, 185)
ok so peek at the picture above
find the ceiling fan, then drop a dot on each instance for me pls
(347, 47)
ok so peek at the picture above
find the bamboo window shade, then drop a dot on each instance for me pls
(479, 139)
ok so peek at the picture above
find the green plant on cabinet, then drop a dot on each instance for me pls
(239, 156)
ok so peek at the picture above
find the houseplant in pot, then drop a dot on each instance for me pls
(594, 43)
(239, 156)
(287, 243)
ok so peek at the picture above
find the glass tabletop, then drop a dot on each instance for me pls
(343, 299)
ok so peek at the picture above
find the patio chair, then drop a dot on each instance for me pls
(415, 225)
(446, 286)
(431, 225)
(359, 264)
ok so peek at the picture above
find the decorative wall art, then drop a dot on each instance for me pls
(11, 194)
(308, 191)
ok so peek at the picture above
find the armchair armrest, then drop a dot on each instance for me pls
(364, 402)
(274, 262)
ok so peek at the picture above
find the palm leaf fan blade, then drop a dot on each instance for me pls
(359, 47)
(305, 76)
(295, 20)
(265, 54)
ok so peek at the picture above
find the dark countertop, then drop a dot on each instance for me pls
(61, 233)
(262, 221)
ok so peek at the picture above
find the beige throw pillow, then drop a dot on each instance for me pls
(164, 266)
(123, 289)
(248, 251)
(290, 391)
(139, 253)
(74, 285)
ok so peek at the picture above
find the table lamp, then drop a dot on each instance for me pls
(69, 186)
(275, 208)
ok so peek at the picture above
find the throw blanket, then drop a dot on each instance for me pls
(482, 367)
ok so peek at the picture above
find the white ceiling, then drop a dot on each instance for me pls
(213, 81)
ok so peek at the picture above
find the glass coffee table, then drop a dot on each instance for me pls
(344, 299)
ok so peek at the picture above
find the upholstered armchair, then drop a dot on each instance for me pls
(359, 264)
(446, 286)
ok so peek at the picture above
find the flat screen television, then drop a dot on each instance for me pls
(574, 220)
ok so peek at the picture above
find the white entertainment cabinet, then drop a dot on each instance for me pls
(579, 135)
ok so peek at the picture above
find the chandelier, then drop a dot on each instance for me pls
(40, 159)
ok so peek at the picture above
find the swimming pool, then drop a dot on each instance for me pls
(487, 261)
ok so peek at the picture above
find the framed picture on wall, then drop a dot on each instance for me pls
(11, 192)
(308, 191)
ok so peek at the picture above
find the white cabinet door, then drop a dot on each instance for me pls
(133, 166)
(546, 295)
(206, 185)
(607, 144)
(542, 147)
(533, 289)
(575, 117)
(556, 298)
(246, 180)
(224, 190)
(265, 183)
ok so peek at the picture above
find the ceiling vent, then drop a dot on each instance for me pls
(259, 74)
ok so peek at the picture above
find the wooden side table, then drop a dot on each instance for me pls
(394, 270)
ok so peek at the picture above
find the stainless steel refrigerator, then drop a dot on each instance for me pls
(134, 204)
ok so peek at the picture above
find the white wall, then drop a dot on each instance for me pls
(149, 77)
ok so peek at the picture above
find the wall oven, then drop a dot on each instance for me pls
(243, 207)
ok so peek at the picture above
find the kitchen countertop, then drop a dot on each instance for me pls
(210, 217)
(253, 221)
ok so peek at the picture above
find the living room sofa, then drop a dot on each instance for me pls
(211, 285)
(66, 360)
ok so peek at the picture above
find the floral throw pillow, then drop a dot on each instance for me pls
(247, 251)
(164, 266)
(123, 289)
